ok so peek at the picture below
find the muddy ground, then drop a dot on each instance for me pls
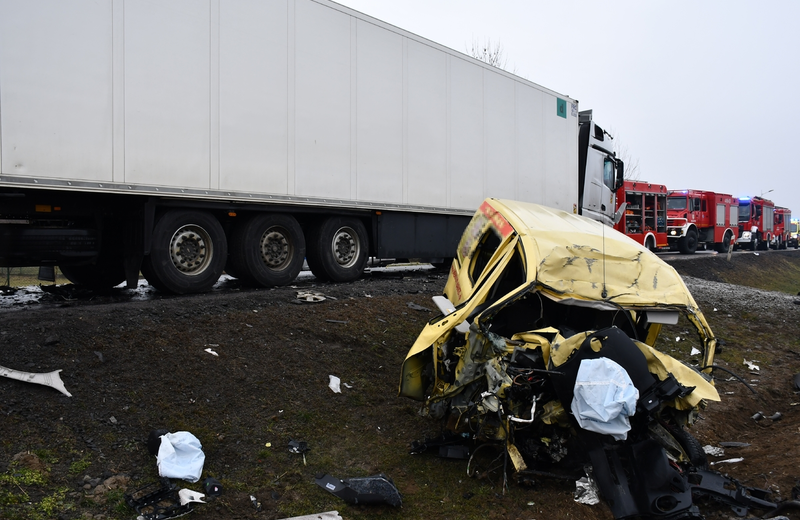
(134, 366)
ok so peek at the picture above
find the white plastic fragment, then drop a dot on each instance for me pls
(187, 495)
(714, 451)
(586, 491)
(731, 461)
(328, 515)
(751, 365)
(695, 351)
(51, 379)
(334, 384)
(677, 339)
(211, 352)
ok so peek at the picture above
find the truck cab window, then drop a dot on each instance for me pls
(489, 243)
(608, 174)
(676, 203)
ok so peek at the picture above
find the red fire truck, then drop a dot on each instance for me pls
(696, 217)
(781, 228)
(756, 220)
(645, 218)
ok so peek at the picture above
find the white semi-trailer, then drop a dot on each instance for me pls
(186, 138)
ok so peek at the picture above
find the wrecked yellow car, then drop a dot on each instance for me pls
(545, 349)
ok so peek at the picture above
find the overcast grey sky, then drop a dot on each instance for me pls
(700, 93)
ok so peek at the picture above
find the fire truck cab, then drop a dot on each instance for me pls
(696, 217)
(756, 222)
(781, 228)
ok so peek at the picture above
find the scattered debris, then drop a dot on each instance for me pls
(751, 365)
(328, 515)
(414, 306)
(212, 487)
(310, 296)
(334, 384)
(51, 379)
(728, 461)
(376, 489)
(256, 503)
(714, 451)
(734, 444)
(99, 356)
(586, 492)
(343, 322)
(188, 496)
(695, 351)
(777, 416)
(211, 352)
(299, 447)
(160, 501)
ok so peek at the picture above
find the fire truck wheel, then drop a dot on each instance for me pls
(722, 247)
(688, 244)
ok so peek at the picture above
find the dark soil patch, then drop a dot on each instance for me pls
(141, 365)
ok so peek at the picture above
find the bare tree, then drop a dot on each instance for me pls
(623, 152)
(489, 52)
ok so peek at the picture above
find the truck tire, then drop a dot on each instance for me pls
(103, 275)
(688, 244)
(187, 253)
(337, 249)
(267, 250)
(722, 247)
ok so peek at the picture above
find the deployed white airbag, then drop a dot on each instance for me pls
(604, 398)
(180, 455)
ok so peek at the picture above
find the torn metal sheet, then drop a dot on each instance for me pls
(542, 293)
(51, 379)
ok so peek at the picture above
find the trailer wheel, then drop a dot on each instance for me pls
(187, 253)
(337, 249)
(101, 276)
(268, 250)
(688, 244)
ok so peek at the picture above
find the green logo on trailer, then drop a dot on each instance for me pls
(561, 108)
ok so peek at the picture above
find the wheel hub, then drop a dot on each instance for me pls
(345, 247)
(189, 249)
(275, 248)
